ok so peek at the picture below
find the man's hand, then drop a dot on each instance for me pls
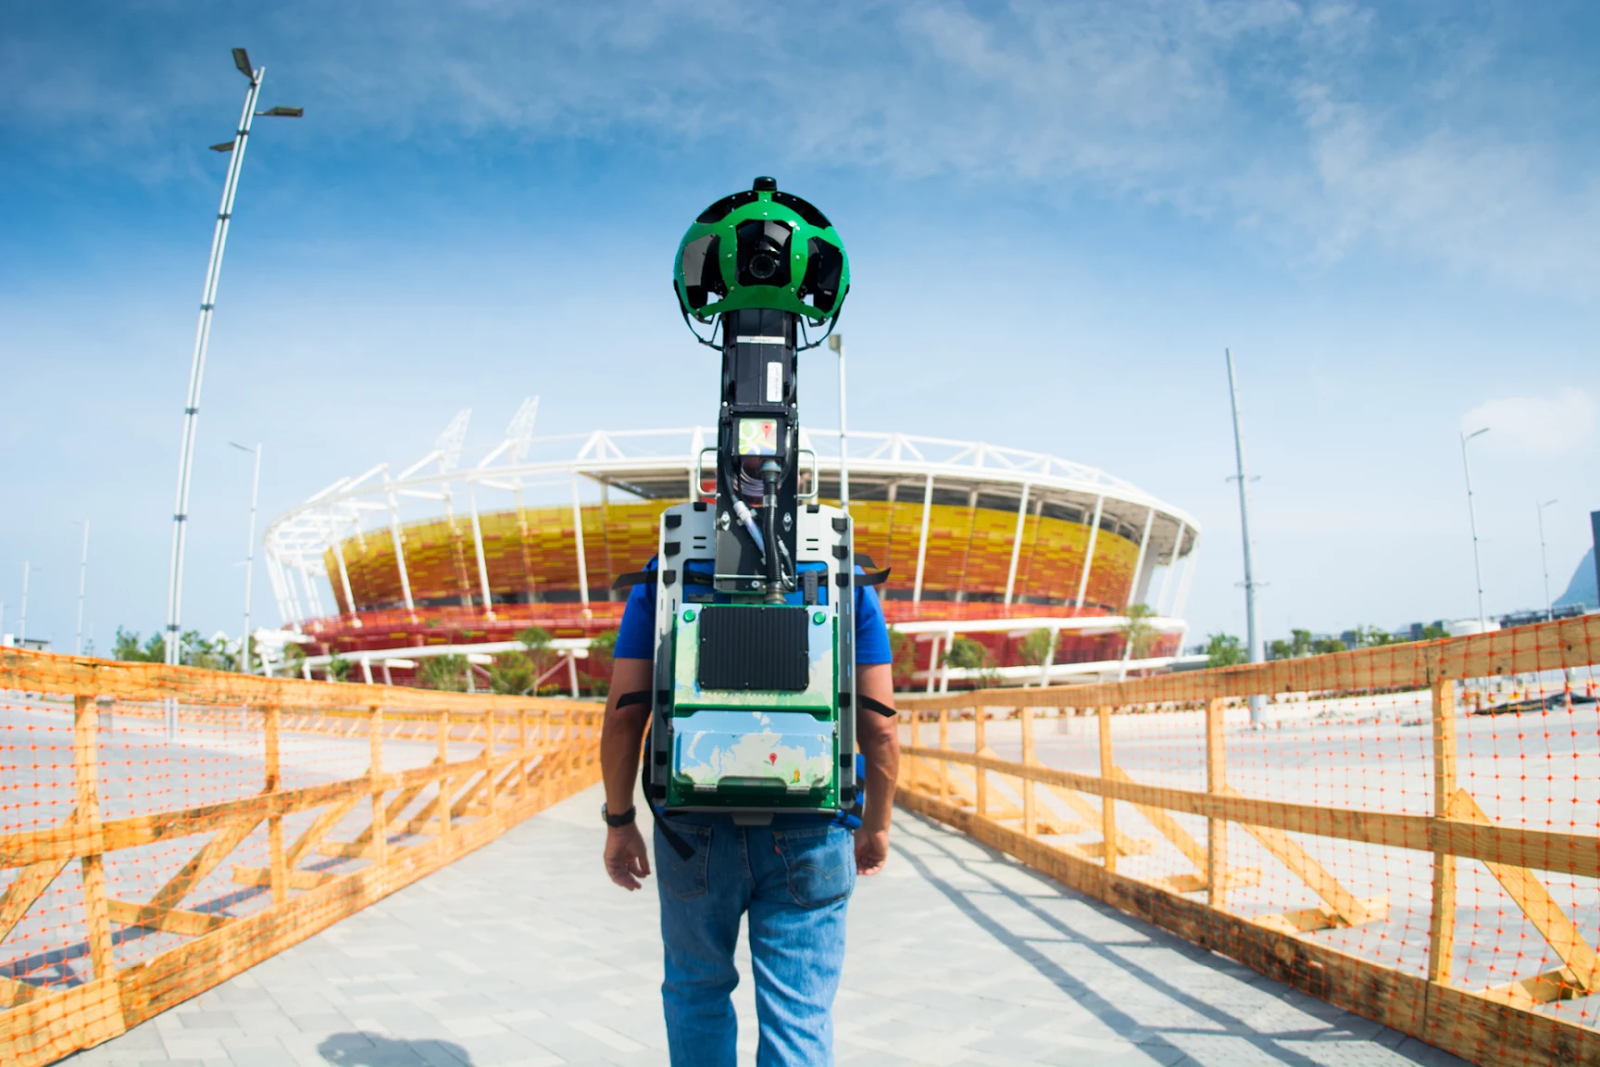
(626, 858)
(872, 851)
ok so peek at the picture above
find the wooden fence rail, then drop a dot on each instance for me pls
(533, 752)
(1496, 1024)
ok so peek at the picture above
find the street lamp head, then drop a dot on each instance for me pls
(225, 146)
(836, 341)
(283, 112)
(1474, 433)
(241, 59)
(1547, 503)
(241, 448)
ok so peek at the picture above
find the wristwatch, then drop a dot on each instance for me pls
(625, 819)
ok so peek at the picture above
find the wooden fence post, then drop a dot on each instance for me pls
(914, 765)
(445, 792)
(1216, 782)
(522, 755)
(1108, 810)
(492, 801)
(944, 746)
(1027, 783)
(86, 784)
(380, 828)
(1442, 926)
(979, 715)
(277, 869)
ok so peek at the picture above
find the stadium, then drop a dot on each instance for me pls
(984, 543)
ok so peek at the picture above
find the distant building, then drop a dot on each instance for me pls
(32, 644)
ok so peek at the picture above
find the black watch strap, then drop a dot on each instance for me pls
(624, 819)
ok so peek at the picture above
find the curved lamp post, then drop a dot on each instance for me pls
(191, 409)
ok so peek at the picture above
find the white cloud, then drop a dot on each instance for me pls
(1529, 426)
(1329, 126)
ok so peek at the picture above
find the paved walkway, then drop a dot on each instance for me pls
(523, 953)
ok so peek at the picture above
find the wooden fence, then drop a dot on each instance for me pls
(402, 824)
(1001, 802)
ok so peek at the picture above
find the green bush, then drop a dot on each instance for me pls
(1224, 650)
(447, 673)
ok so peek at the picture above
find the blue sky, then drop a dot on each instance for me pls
(1058, 216)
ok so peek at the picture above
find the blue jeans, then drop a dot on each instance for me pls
(794, 878)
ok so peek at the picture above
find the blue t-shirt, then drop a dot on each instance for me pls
(636, 636)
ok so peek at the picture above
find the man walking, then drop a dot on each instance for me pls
(793, 878)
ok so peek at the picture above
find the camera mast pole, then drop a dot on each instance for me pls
(836, 342)
(1253, 634)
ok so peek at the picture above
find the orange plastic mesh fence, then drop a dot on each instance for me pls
(1409, 831)
(163, 828)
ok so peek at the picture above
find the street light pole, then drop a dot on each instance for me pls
(1252, 632)
(1544, 564)
(1472, 518)
(836, 342)
(250, 554)
(208, 298)
(22, 621)
(83, 574)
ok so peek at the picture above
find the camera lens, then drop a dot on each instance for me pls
(763, 265)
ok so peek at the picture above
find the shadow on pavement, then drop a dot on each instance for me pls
(361, 1049)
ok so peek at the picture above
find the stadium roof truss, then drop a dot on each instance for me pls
(663, 464)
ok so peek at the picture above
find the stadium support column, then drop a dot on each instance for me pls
(313, 601)
(944, 674)
(344, 572)
(477, 547)
(1138, 563)
(399, 548)
(577, 533)
(1252, 632)
(1162, 604)
(1049, 657)
(922, 544)
(1016, 543)
(1183, 586)
(1088, 554)
(280, 592)
(1133, 588)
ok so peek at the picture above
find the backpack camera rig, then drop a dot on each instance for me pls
(753, 702)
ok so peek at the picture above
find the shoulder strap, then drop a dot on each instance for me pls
(633, 578)
(876, 705)
(873, 577)
(628, 700)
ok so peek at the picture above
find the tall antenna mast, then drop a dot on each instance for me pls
(1253, 634)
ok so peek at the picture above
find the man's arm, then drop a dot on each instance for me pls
(879, 739)
(621, 735)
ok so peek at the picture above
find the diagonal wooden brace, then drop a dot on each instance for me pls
(1167, 826)
(1346, 909)
(1579, 977)
(319, 829)
(28, 886)
(1126, 846)
(223, 842)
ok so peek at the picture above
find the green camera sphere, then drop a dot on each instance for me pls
(762, 249)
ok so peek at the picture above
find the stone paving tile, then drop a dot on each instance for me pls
(523, 955)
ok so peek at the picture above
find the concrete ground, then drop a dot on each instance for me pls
(523, 953)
